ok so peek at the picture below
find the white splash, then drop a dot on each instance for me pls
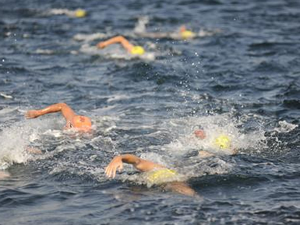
(214, 125)
(17, 138)
(285, 127)
(6, 96)
(91, 37)
(14, 141)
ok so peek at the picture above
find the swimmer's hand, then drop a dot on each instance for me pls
(32, 114)
(101, 44)
(113, 166)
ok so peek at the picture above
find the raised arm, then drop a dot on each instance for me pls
(140, 164)
(119, 39)
(66, 111)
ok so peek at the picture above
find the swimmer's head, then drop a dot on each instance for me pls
(223, 142)
(137, 50)
(187, 34)
(79, 13)
(200, 134)
(82, 123)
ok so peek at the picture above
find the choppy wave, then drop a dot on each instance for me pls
(242, 81)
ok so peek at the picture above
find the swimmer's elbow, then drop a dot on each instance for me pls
(62, 104)
(120, 38)
(145, 165)
(139, 164)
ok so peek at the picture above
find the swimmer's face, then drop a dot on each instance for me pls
(200, 134)
(81, 123)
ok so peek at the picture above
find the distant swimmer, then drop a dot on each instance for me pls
(222, 143)
(186, 34)
(182, 34)
(132, 49)
(74, 121)
(78, 13)
(155, 174)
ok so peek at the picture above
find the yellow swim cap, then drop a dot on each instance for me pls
(187, 34)
(137, 50)
(160, 176)
(79, 13)
(223, 141)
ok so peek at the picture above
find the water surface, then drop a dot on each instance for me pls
(243, 80)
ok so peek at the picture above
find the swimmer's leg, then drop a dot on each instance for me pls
(4, 175)
(180, 187)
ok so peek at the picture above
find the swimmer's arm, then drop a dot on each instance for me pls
(180, 187)
(119, 39)
(67, 112)
(140, 164)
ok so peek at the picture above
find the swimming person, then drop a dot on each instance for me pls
(155, 174)
(132, 49)
(78, 13)
(181, 34)
(186, 34)
(78, 122)
(222, 144)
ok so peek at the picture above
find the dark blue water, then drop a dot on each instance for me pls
(243, 80)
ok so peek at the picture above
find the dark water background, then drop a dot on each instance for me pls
(244, 80)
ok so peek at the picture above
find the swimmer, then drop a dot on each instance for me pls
(186, 34)
(156, 173)
(132, 49)
(221, 143)
(78, 13)
(80, 123)
(182, 34)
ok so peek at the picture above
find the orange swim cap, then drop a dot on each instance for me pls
(82, 123)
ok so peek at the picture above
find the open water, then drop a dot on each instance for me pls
(242, 80)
